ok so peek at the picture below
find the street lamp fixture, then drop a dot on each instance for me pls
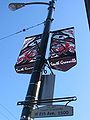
(15, 6)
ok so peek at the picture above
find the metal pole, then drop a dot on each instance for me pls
(87, 5)
(39, 64)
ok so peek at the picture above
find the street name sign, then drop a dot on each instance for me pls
(52, 111)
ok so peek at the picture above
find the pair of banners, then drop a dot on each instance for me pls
(62, 53)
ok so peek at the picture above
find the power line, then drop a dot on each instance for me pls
(4, 116)
(23, 30)
(8, 111)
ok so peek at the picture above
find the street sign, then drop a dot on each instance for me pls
(52, 111)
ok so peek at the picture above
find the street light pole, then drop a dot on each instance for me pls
(38, 68)
(39, 65)
(87, 5)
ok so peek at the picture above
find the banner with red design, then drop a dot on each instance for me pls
(62, 49)
(27, 56)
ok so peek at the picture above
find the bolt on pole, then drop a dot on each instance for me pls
(39, 65)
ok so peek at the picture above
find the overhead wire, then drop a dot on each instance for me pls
(23, 30)
(4, 115)
(8, 111)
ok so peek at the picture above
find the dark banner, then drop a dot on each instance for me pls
(27, 56)
(62, 49)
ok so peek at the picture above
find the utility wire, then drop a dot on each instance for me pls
(8, 111)
(4, 116)
(23, 30)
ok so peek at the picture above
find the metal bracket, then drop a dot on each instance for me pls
(37, 102)
(38, 48)
(48, 65)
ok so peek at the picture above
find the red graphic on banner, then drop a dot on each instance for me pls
(62, 49)
(27, 56)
